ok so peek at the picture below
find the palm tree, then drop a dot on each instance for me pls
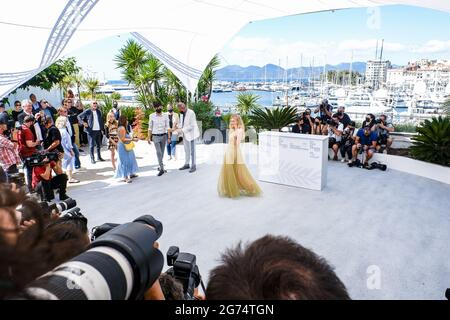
(130, 60)
(151, 74)
(77, 79)
(205, 83)
(65, 83)
(273, 119)
(91, 84)
(432, 144)
(246, 102)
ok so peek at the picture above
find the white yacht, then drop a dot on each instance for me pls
(363, 102)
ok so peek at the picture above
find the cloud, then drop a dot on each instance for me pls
(370, 44)
(433, 46)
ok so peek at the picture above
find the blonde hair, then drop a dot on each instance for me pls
(240, 123)
(61, 122)
(112, 115)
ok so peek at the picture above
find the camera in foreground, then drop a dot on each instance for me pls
(184, 269)
(39, 159)
(121, 264)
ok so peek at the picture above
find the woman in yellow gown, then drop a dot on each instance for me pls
(235, 179)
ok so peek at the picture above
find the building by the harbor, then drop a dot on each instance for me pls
(376, 73)
(432, 75)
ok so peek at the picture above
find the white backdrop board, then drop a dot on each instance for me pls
(292, 159)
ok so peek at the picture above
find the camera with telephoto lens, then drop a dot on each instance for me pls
(356, 163)
(378, 121)
(17, 178)
(59, 207)
(185, 270)
(376, 165)
(37, 159)
(122, 264)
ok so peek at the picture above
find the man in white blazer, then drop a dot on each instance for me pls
(189, 128)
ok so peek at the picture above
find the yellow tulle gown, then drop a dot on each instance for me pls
(235, 179)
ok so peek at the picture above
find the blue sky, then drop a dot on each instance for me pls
(409, 33)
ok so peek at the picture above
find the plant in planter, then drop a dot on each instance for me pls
(273, 119)
(432, 144)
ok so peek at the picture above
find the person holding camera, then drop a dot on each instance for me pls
(369, 121)
(317, 128)
(335, 130)
(308, 125)
(9, 157)
(27, 147)
(285, 271)
(4, 117)
(365, 141)
(343, 117)
(325, 113)
(44, 182)
(298, 126)
(384, 129)
(347, 141)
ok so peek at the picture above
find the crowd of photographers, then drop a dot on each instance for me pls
(48, 253)
(352, 144)
(43, 140)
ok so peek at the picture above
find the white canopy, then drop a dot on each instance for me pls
(183, 34)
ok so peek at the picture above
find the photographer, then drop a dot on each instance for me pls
(369, 121)
(35, 246)
(343, 117)
(348, 141)
(317, 128)
(49, 110)
(365, 141)
(9, 157)
(274, 268)
(325, 112)
(27, 146)
(4, 117)
(52, 141)
(308, 124)
(335, 130)
(383, 129)
(44, 183)
(298, 127)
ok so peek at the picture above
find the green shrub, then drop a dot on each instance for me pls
(432, 144)
(406, 127)
(204, 113)
(276, 118)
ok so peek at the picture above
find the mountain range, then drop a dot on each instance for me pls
(274, 72)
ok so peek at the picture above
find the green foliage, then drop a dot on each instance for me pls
(91, 85)
(341, 77)
(204, 112)
(273, 118)
(128, 112)
(247, 102)
(432, 144)
(53, 75)
(115, 95)
(85, 95)
(205, 83)
(407, 127)
(105, 106)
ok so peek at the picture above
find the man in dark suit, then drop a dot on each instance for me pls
(93, 123)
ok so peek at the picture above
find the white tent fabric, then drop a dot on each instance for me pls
(183, 34)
